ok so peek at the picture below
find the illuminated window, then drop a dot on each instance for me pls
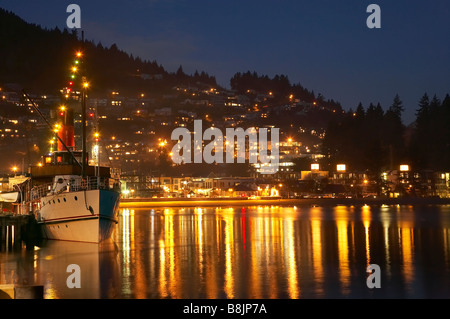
(404, 168)
(341, 167)
(314, 167)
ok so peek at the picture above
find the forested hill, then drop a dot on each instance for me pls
(36, 58)
(281, 89)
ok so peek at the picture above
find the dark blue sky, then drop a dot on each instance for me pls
(323, 44)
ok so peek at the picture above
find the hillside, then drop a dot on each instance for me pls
(35, 58)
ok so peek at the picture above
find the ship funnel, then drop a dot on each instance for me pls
(66, 131)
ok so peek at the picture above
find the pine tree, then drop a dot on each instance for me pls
(180, 73)
(419, 149)
(424, 105)
(392, 134)
(360, 113)
(397, 106)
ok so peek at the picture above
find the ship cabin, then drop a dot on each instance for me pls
(63, 163)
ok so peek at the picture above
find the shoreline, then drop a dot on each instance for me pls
(212, 202)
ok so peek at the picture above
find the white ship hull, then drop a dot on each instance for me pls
(83, 216)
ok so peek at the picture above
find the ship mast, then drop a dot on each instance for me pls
(83, 120)
(83, 133)
(50, 126)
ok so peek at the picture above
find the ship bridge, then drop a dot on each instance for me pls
(62, 163)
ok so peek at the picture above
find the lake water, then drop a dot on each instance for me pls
(261, 252)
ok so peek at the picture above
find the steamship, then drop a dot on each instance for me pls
(70, 199)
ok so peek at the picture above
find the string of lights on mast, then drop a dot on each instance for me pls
(75, 70)
(75, 90)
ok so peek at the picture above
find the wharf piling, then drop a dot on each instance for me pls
(21, 292)
(16, 228)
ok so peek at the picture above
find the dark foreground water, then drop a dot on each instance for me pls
(252, 252)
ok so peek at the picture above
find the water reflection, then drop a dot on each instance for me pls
(275, 252)
(47, 265)
(251, 252)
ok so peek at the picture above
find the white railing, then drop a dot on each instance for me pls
(89, 183)
(40, 191)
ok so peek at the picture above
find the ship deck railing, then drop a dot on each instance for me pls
(85, 184)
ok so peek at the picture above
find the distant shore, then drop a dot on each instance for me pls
(215, 202)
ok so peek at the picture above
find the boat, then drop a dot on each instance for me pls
(71, 202)
(9, 197)
(72, 207)
(70, 199)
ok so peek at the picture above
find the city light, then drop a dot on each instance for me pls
(249, 194)
(162, 143)
(404, 168)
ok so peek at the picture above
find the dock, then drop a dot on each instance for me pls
(238, 202)
(21, 292)
(16, 228)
